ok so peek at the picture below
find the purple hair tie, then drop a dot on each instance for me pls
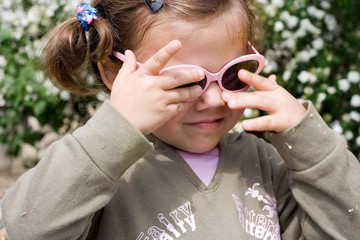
(86, 14)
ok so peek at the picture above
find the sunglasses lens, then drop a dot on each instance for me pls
(230, 79)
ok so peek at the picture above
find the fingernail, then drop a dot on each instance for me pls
(198, 90)
(201, 74)
(242, 73)
(232, 103)
(176, 44)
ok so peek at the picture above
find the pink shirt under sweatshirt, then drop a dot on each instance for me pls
(203, 164)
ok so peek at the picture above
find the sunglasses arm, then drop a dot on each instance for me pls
(253, 49)
(122, 58)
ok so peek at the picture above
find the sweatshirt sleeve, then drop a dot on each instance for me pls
(77, 177)
(324, 178)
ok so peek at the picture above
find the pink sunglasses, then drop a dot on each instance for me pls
(226, 77)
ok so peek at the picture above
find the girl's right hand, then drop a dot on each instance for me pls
(147, 99)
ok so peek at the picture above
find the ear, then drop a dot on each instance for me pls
(104, 77)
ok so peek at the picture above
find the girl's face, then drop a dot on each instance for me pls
(207, 119)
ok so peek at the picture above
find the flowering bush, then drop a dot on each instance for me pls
(314, 49)
(312, 46)
(28, 101)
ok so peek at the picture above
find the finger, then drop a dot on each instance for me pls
(272, 78)
(180, 78)
(264, 123)
(243, 100)
(258, 82)
(183, 94)
(157, 62)
(129, 65)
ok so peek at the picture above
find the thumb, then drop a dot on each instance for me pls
(272, 78)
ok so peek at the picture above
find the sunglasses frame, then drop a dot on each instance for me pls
(211, 76)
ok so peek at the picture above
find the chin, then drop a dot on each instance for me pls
(198, 148)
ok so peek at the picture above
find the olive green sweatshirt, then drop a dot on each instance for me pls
(107, 181)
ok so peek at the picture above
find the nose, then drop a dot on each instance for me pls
(211, 98)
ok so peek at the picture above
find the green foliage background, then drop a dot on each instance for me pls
(312, 46)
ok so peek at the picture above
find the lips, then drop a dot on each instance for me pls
(207, 124)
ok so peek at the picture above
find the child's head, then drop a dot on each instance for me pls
(123, 25)
(212, 33)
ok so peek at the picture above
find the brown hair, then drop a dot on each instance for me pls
(120, 25)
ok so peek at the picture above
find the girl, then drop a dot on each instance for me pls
(156, 161)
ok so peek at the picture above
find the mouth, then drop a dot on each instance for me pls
(207, 124)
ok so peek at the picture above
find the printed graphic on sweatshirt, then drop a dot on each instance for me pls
(259, 225)
(178, 222)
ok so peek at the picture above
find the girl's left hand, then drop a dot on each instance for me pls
(283, 109)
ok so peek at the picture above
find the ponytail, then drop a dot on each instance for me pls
(65, 55)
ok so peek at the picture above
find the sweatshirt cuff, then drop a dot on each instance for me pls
(305, 144)
(111, 141)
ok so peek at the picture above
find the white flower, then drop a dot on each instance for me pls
(330, 22)
(306, 25)
(353, 76)
(349, 135)
(278, 3)
(33, 123)
(270, 10)
(306, 55)
(286, 34)
(321, 97)
(308, 90)
(346, 117)
(33, 29)
(290, 20)
(326, 71)
(2, 74)
(64, 95)
(317, 13)
(51, 89)
(29, 89)
(325, 5)
(290, 43)
(318, 43)
(286, 76)
(6, 4)
(300, 33)
(355, 116)
(3, 61)
(355, 100)
(248, 113)
(279, 26)
(270, 66)
(344, 85)
(358, 141)
(306, 76)
(337, 127)
(2, 101)
(331, 90)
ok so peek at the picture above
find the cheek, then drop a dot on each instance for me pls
(238, 112)
(235, 116)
